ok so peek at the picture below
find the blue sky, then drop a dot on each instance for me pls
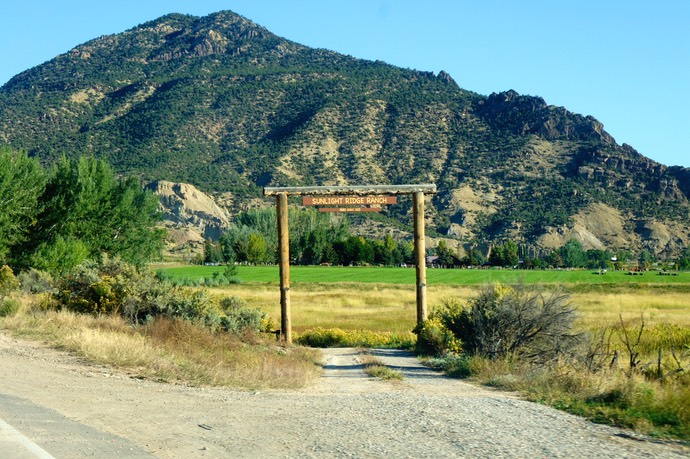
(627, 63)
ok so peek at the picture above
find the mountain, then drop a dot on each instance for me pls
(222, 103)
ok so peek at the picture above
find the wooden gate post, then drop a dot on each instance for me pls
(420, 254)
(284, 262)
(356, 191)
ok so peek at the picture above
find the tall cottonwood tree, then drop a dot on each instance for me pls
(22, 181)
(87, 210)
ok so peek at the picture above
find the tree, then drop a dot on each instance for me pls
(505, 254)
(355, 250)
(573, 254)
(622, 257)
(445, 255)
(554, 259)
(386, 251)
(257, 249)
(684, 259)
(213, 253)
(646, 259)
(129, 231)
(510, 253)
(234, 243)
(496, 255)
(22, 180)
(84, 204)
(315, 244)
(599, 259)
(475, 257)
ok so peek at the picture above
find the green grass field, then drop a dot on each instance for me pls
(380, 275)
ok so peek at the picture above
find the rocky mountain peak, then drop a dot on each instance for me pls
(524, 115)
(446, 78)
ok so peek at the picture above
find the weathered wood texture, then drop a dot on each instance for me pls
(420, 254)
(352, 190)
(284, 263)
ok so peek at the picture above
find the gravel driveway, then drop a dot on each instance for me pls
(345, 414)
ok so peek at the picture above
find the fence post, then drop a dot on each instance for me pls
(284, 262)
(420, 254)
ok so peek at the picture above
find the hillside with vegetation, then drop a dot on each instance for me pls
(225, 105)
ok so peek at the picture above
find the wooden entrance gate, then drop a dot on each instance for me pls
(282, 193)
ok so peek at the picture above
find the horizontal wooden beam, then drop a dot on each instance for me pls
(350, 190)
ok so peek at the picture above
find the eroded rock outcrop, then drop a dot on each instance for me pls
(189, 211)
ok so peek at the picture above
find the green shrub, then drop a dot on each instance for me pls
(434, 338)
(238, 318)
(8, 281)
(34, 281)
(112, 286)
(458, 366)
(9, 307)
(455, 365)
(188, 304)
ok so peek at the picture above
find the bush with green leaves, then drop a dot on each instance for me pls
(454, 365)
(111, 286)
(34, 281)
(238, 318)
(435, 338)
(9, 307)
(8, 281)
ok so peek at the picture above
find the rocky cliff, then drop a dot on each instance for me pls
(190, 215)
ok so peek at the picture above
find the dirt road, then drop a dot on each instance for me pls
(74, 410)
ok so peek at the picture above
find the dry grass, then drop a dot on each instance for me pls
(381, 307)
(659, 307)
(630, 401)
(377, 307)
(172, 350)
(375, 368)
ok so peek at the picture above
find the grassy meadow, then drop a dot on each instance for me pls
(390, 275)
(383, 299)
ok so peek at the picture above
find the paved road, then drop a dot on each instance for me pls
(31, 431)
